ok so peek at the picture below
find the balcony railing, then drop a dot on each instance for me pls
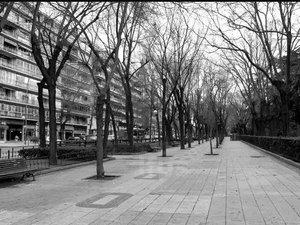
(20, 69)
(18, 53)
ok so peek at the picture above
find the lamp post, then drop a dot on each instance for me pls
(24, 117)
(158, 129)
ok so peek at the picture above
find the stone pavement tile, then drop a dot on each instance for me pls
(125, 218)
(172, 205)
(250, 208)
(201, 181)
(217, 222)
(178, 219)
(187, 183)
(266, 207)
(196, 220)
(143, 204)
(122, 208)
(100, 222)
(90, 217)
(294, 203)
(278, 185)
(282, 206)
(217, 210)
(158, 203)
(234, 211)
(142, 218)
(209, 186)
(64, 216)
(10, 217)
(202, 206)
(68, 218)
(187, 204)
(160, 219)
(31, 219)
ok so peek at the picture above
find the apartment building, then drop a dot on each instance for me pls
(19, 76)
(117, 102)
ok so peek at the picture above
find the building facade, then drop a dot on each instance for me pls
(117, 102)
(19, 76)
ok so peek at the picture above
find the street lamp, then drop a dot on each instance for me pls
(24, 117)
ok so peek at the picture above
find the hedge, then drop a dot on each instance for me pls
(286, 147)
(83, 153)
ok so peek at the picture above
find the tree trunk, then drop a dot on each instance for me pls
(150, 123)
(176, 130)
(114, 129)
(53, 134)
(106, 123)
(169, 132)
(217, 136)
(206, 132)
(189, 127)
(210, 144)
(181, 126)
(129, 114)
(158, 128)
(163, 120)
(163, 141)
(99, 121)
(190, 135)
(42, 124)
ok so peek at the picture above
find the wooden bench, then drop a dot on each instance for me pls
(11, 168)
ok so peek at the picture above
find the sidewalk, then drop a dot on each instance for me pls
(241, 185)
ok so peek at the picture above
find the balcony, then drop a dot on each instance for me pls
(15, 52)
(10, 114)
(19, 69)
(16, 100)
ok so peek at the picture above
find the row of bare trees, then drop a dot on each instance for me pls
(259, 45)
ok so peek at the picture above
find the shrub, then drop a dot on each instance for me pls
(33, 153)
(125, 148)
(83, 153)
(286, 147)
(71, 152)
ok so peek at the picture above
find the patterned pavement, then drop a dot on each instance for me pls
(241, 185)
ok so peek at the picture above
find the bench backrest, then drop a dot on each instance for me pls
(12, 164)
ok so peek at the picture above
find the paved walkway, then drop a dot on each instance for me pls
(241, 185)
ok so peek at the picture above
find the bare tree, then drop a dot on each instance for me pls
(125, 62)
(274, 25)
(103, 40)
(53, 37)
(159, 51)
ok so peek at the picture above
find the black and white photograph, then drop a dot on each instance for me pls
(149, 113)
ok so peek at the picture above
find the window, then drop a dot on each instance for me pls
(25, 98)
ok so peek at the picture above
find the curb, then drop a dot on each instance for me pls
(281, 158)
(60, 168)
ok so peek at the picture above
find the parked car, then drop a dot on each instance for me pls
(48, 139)
(73, 139)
